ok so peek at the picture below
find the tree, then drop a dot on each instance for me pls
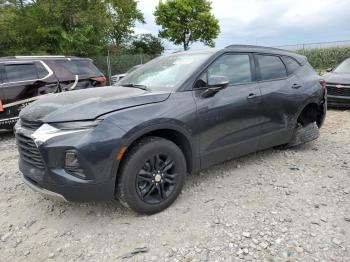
(124, 14)
(79, 27)
(187, 21)
(146, 44)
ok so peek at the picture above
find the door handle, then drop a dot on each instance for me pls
(252, 96)
(296, 86)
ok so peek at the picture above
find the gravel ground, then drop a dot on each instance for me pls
(275, 205)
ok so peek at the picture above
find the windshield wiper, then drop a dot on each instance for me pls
(143, 87)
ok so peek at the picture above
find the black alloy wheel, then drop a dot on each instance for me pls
(157, 179)
(152, 175)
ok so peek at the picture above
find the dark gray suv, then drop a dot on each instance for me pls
(175, 115)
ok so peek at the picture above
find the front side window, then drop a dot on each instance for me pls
(271, 67)
(24, 72)
(235, 67)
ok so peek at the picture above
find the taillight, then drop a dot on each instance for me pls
(101, 80)
(323, 83)
(1, 106)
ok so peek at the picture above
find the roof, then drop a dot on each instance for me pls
(49, 57)
(266, 50)
(252, 49)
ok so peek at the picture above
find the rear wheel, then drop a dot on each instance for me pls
(151, 176)
(302, 135)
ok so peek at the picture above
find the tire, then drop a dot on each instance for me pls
(152, 175)
(303, 134)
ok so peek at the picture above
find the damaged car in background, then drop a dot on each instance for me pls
(175, 115)
(338, 85)
(24, 78)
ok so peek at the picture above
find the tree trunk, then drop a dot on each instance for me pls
(185, 46)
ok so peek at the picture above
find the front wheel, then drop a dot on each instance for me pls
(152, 175)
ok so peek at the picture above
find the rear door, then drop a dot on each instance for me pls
(280, 99)
(75, 74)
(1, 85)
(23, 82)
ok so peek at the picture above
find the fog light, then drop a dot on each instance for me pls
(72, 164)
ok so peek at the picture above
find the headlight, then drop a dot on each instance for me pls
(75, 125)
(48, 131)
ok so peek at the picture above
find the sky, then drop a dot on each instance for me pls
(269, 22)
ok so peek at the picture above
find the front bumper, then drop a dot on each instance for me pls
(96, 150)
(45, 193)
(338, 101)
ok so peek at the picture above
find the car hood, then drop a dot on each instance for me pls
(88, 104)
(336, 78)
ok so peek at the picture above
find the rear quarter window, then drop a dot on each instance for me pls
(271, 67)
(80, 67)
(22, 72)
(42, 72)
(291, 64)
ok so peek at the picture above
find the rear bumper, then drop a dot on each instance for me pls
(338, 101)
(8, 123)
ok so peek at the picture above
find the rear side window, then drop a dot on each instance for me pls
(291, 64)
(80, 67)
(236, 68)
(271, 67)
(23, 72)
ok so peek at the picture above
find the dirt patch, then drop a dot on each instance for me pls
(275, 205)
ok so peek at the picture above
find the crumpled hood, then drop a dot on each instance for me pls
(88, 104)
(337, 78)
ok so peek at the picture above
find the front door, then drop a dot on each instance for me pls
(229, 121)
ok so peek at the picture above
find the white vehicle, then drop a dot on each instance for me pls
(117, 78)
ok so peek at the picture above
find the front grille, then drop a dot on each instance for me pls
(338, 89)
(29, 152)
(30, 124)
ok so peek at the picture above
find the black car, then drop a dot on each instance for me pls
(338, 85)
(175, 115)
(24, 78)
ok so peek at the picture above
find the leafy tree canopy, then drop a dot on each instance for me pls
(146, 44)
(79, 27)
(187, 21)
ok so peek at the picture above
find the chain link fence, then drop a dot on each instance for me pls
(321, 45)
(322, 55)
(119, 64)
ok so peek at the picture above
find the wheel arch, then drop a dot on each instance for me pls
(177, 135)
(312, 111)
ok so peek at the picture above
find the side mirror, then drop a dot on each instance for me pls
(215, 84)
(328, 70)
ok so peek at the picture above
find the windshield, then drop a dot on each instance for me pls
(343, 68)
(166, 72)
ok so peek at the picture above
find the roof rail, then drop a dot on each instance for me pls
(42, 56)
(255, 46)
